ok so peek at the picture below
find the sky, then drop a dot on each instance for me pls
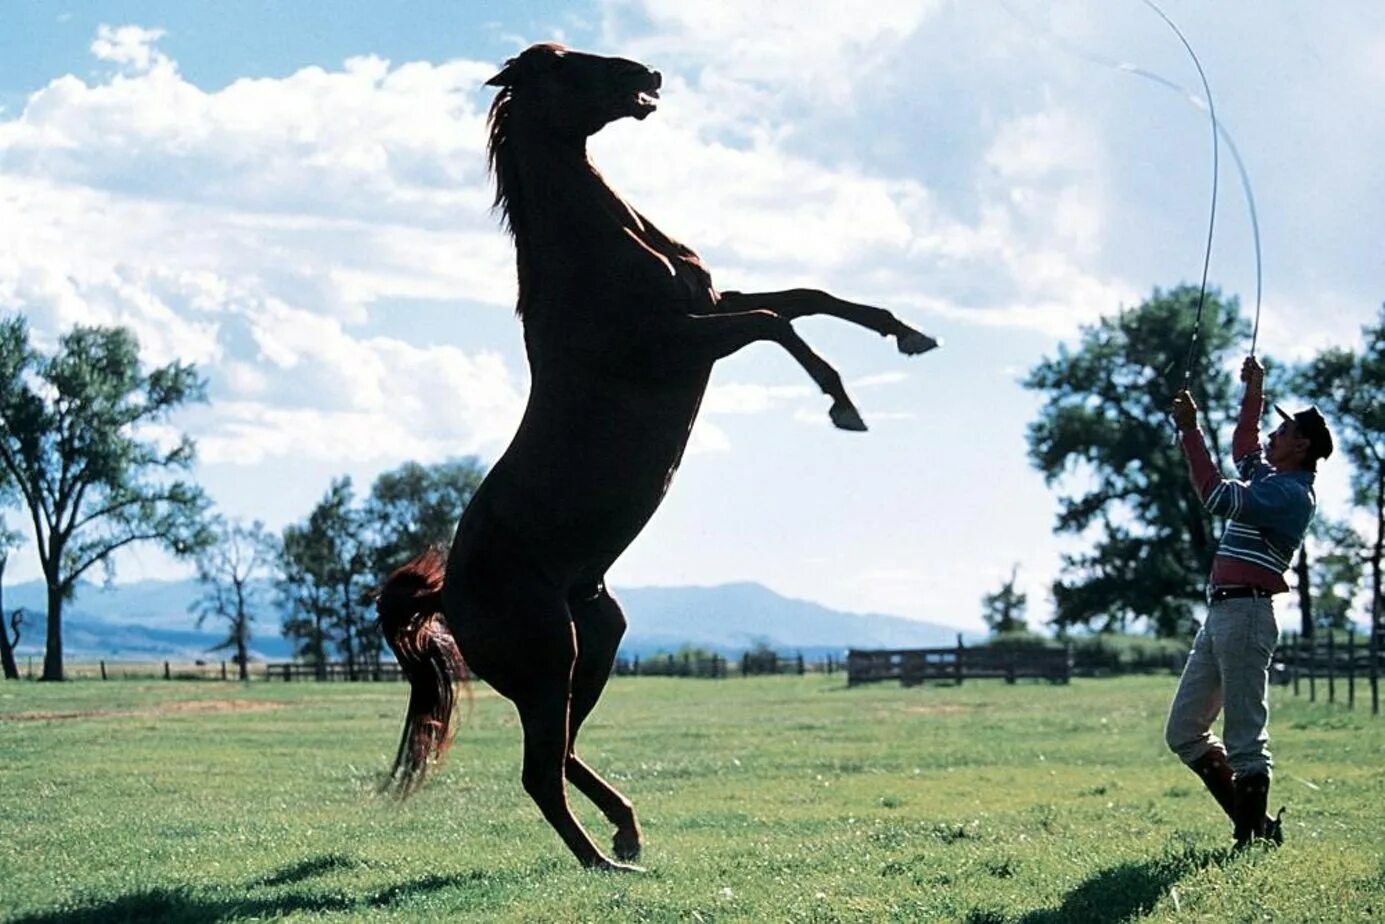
(294, 197)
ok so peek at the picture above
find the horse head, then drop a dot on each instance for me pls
(573, 93)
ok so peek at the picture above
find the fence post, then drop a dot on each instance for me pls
(1294, 644)
(1351, 667)
(801, 667)
(1331, 666)
(1010, 666)
(1375, 660)
(223, 670)
(960, 649)
(168, 674)
(1312, 644)
(103, 670)
(288, 672)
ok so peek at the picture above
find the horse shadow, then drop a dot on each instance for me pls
(1128, 890)
(178, 903)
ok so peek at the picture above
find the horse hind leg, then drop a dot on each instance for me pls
(544, 714)
(600, 625)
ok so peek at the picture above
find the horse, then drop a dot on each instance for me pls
(621, 328)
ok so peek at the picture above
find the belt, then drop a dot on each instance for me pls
(1218, 594)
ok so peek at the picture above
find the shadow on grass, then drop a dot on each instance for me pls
(1128, 890)
(179, 904)
(307, 869)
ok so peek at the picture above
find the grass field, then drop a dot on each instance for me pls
(766, 799)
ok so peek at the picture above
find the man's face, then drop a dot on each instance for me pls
(1285, 449)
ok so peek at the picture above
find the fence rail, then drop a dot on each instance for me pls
(716, 667)
(915, 666)
(1326, 660)
(750, 664)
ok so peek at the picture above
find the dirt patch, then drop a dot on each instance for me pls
(182, 707)
(940, 709)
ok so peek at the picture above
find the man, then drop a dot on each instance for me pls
(1268, 512)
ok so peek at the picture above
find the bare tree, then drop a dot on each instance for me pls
(234, 571)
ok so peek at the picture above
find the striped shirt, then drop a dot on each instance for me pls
(1267, 511)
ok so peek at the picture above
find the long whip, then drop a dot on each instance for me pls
(1068, 47)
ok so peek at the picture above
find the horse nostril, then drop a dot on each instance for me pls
(656, 79)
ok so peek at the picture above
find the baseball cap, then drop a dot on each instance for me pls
(1309, 425)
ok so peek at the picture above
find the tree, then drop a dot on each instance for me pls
(416, 506)
(331, 562)
(325, 580)
(232, 570)
(1003, 611)
(1338, 564)
(77, 437)
(1104, 434)
(1349, 388)
(9, 539)
(8, 642)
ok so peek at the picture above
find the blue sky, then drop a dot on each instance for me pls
(294, 197)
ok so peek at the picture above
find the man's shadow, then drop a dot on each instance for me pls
(182, 904)
(1128, 890)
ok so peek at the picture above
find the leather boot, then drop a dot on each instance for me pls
(1252, 797)
(1215, 772)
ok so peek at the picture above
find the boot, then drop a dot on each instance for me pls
(1252, 796)
(1216, 774)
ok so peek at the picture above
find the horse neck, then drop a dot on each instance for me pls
(553, 191)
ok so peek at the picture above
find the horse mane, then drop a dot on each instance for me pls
(509, 191)
(501, 161)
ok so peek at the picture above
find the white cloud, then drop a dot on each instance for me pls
(131, 47)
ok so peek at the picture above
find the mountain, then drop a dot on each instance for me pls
(151, 620)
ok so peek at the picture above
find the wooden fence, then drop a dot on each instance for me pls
(915, 666)
(1329, 662)
(716, 667)
(332, 671)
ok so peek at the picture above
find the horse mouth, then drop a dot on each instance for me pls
(646, 99)
(644, 103)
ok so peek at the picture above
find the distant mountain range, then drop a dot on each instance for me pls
(151, 620)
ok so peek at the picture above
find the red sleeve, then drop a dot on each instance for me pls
(1246, 439)
(1204, 474)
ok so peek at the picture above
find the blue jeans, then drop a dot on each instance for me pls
(1228, 668)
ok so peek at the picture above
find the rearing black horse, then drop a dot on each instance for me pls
(621, 326)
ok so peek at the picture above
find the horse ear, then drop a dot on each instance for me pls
(506, 77)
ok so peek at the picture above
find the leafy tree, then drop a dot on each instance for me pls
(1004, 610)
(232, 570)
(1337, 568)
(1104, 435)
(76, 437)
(416, 506)
(330, 563)
(325, 579)
(1349, 387)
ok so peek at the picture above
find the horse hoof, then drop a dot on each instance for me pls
(912, 343)
(626, 846)
(610, 866)
(846, 417)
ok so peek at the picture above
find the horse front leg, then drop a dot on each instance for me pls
(797, 303)
(686, 342)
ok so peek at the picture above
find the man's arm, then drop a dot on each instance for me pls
(1255, 503)
(1246, 439)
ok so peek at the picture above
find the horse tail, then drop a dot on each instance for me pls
(409, 606)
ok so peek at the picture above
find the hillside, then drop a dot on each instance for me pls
(151, 619)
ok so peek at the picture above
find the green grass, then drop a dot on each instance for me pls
(763, 799)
